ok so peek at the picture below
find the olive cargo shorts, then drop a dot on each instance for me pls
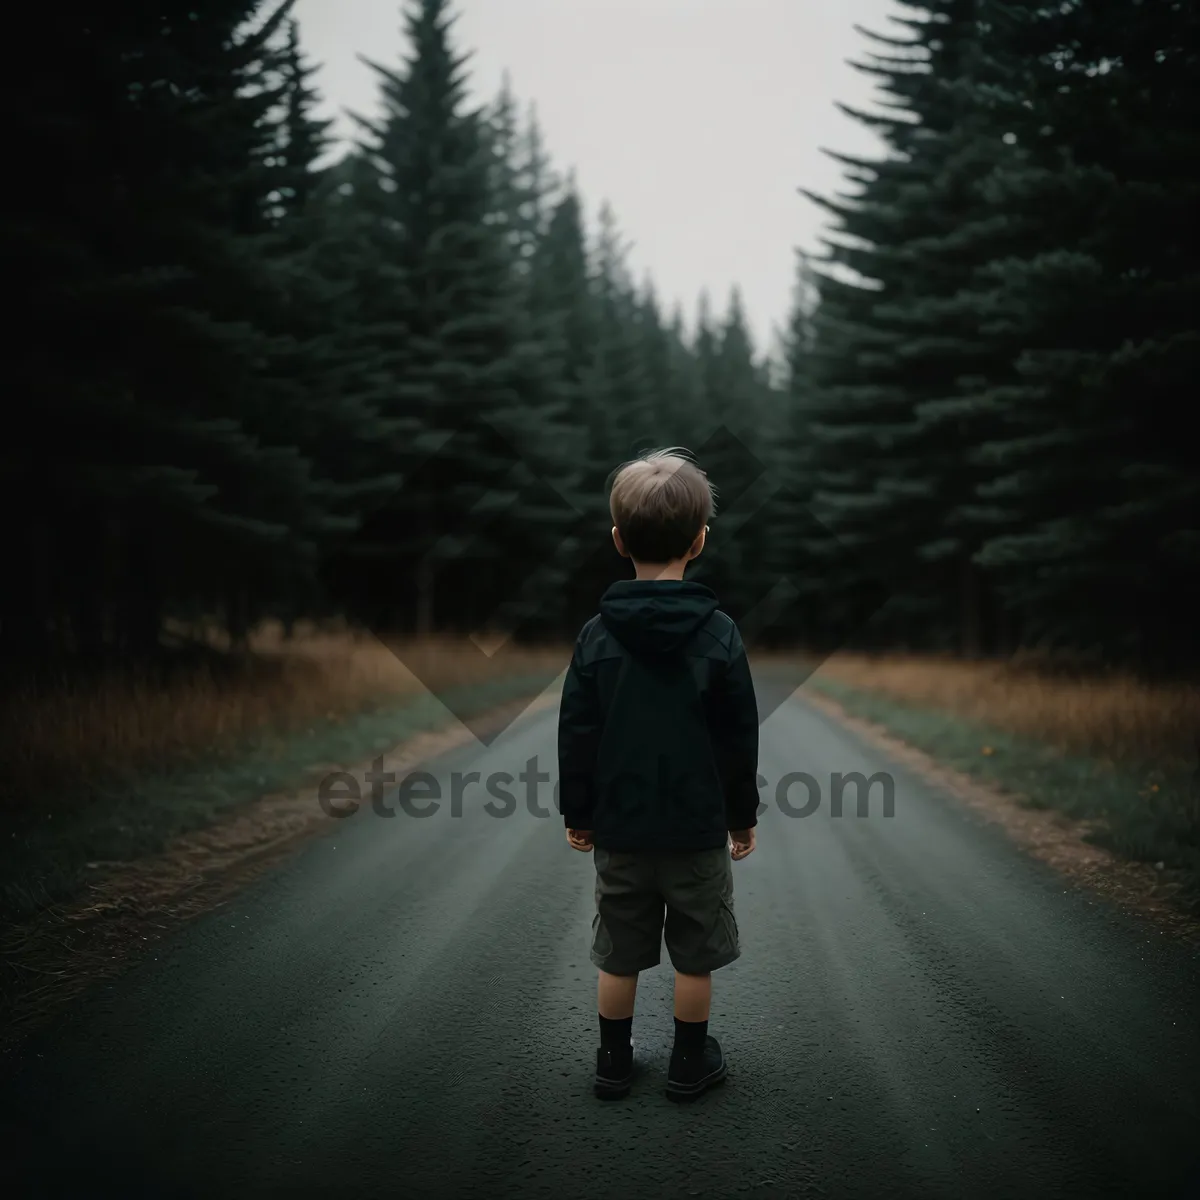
(688, 896)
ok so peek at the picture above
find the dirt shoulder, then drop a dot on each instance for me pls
(1050, 836)
(53, 958)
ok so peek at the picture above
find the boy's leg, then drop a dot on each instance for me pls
(615, 996)
(701, 929)
(693, 997)
(627, 937)
(702, 937)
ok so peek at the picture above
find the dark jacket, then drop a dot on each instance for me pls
(658, 729)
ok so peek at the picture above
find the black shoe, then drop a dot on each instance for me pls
(614, 1072)
(694, 1071)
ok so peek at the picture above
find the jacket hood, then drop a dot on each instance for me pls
(656, 616)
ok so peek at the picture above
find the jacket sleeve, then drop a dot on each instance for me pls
(735, 736)
(580, 724)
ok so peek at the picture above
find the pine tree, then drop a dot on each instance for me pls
(826, 596)
(973, 374)
(1096, 506)
(474, 385)
(523, 184)
(332, 369)
(788, 555)
(684, 387)
(538, 188)
(895, 474)
(305, 138)
(181, 478)
(501, 120)
(562, 304)
(617, 384)
(733, 455)
(709, 411)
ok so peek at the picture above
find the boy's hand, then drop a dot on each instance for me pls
(742, 842)
(580, 839)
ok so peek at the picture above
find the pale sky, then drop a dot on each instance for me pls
(696, 119)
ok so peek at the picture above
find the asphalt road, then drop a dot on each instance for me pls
(407, 1009)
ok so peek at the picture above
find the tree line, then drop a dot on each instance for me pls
(993, 394)
(254, 377)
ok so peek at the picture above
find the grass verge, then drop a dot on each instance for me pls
(105, 773)
(126, 819)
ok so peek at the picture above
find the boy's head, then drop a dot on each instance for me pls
(660, 505)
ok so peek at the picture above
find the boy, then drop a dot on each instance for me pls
(658, 771)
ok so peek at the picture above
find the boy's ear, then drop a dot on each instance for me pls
(620, 545)
(698, 544)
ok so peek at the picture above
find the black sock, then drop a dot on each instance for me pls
(690, 1035)
(615, 1034)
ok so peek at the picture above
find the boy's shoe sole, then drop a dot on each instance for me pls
(683, 1092)
(612, 1089)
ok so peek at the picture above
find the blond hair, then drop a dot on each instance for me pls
(660, 502)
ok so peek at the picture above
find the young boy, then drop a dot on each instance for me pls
(658, 771)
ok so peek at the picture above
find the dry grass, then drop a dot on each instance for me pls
(54, 736)
(1114, 717)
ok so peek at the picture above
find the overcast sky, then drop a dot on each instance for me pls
(697, 119)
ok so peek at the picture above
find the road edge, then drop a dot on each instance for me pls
(59, 955)
(1049, 836)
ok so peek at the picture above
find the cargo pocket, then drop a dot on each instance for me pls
(719, 945)
(729, 921)
(601, 940)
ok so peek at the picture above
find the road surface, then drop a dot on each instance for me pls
(406, 1008)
